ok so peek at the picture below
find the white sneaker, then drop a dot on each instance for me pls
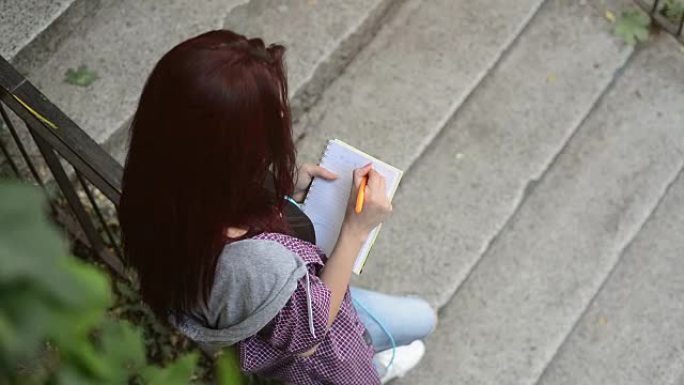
(406, 358)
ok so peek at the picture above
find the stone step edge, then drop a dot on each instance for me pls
(529, 187)
(309, 92)
(534, 180)
(332, 66)
(620, 254)
(39, 49)
(458, 103)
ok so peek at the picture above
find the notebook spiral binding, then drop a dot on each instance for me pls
(323, 155)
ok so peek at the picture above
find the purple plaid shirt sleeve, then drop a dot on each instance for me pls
(342, 356)
(289, 331)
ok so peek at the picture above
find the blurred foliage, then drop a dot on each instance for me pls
(633, 26)
(81, 76)
(673, 10)
(59, 320)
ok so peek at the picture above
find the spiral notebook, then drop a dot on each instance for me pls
(326, 201)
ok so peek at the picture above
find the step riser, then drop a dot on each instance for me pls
(315, 55)
(311, 69)
(633, 328)
(309, 91)
(36, 52)
(109, 42)
(23, 22)
(43, 38)
(525, 295)
(397, 94)
(475, 174)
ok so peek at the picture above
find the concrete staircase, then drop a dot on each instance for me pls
(543, 201)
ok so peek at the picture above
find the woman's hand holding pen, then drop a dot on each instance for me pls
(375, 206)
(355, 229)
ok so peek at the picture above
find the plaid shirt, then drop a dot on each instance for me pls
(343, 357)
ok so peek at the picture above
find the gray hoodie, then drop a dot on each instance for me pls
(254, 279)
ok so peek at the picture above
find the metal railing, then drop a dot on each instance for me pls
(59, 142)
(77, 170)
(90, 171)
(663, 14)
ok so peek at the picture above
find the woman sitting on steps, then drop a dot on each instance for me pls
(219, 250)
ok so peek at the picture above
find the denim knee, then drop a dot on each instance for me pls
(426, 316)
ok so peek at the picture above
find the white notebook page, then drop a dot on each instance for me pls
(326, 201)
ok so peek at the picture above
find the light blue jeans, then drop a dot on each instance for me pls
(406, 318)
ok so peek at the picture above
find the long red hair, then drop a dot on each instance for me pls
(211, 133)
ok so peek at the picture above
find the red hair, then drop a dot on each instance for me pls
(211, 133)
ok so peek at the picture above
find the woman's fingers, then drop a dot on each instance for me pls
(377, 187)
(376, 206)
(376, 181)
(321, 172)
(359, 173)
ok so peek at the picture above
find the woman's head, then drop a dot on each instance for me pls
(212, 128)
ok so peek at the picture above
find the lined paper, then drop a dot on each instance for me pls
(326, 201)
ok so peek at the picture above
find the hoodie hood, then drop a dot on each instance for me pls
(253, 281)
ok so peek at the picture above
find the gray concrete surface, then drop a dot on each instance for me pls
(473, 177)
(631, 334)
(37, 51)
(121, 42)
(537, 147)
(516, 307)
(22, 21)
(320, 37)
(397, 94)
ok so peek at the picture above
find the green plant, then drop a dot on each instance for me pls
(54, 321)
(82, 76)
(633, 26)
(673, 10)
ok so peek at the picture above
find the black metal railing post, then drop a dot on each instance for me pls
(672, 24)
(20, 147)
(58, 139)
(654, 8)
(61, 133)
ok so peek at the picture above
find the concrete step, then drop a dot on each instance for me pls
(632, 331)
(321, 37)
(462, 191)
(36, 51)
(121, 41)
(516, 307)
(395, 96)
(124, 39)
(22, 22)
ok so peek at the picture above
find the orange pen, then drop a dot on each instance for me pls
(362, 193)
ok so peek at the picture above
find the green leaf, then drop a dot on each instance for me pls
(177, 373)
(673, 9)
(633, 26)
(123, 350)
(69, 375)
(228, 368)
(88, 289)
(27, 317)
(53, 309)
(82, 76)
(122, 343)
(29, 246)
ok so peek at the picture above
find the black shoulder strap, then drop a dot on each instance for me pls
(298, 221)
